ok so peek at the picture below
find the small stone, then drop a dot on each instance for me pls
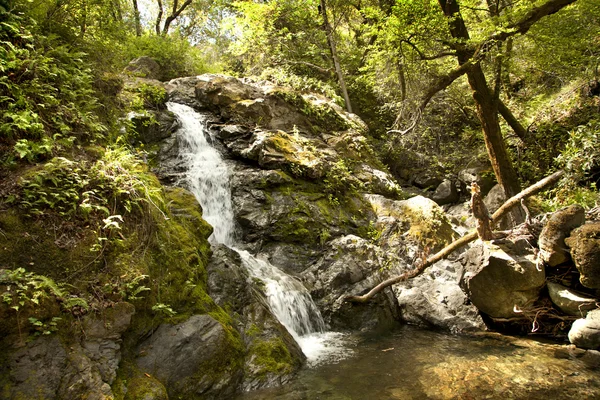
(570, 301)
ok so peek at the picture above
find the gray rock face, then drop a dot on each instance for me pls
(552, 239)
(184, 357)
(585, 251)
(435, 299)
(103, 337)
(350, 265)
(36, 370)
(144, 67)
(353, 265)
(445, 193)
(46, 369)
(585, 333)
(570, 301)
(501, 279)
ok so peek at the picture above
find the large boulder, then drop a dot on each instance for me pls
(552, 239)
(585, 333)
(350, 265)
(585, 251)
(481, 175)
(446, 193)
(435, 299)
(193, 358)
(502, 279)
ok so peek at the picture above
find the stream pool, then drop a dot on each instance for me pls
(411, 363)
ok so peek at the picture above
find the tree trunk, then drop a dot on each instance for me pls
(512, 121)
(159, 17)
(136, 18)
(487, 106)
(336, 62)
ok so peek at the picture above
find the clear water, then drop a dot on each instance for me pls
(411, 364)
(208, 178)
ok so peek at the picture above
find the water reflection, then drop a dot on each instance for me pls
(411, 364)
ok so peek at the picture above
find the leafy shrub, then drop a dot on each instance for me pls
(175, 55)
(115, 184)
(581, 161)
(45, 89)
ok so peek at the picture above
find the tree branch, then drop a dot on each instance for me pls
(513, 201)
(534, 15)
(422, 55)
(176, 12)
(512, 121)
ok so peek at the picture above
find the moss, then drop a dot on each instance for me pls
(311, 217)
(271, 357)
(133, 384)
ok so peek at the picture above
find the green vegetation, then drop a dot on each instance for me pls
(85, 225)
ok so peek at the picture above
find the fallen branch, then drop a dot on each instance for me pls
(446, 251)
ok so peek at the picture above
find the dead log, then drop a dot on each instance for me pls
(446, 251)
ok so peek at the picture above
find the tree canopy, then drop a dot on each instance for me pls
(426, 75)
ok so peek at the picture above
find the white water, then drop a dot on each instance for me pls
(207, 177)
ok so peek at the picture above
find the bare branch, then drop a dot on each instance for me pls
(505, 208)
(422, 55)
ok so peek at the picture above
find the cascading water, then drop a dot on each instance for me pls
(207, 178)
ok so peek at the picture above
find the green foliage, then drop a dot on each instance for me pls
(151, 97)
(175, 55)
(338, 179)
(44, 328)
(118, 182)
(46, 94)
(25, 289)
(580, 159)
(285, 76)
(164, 309)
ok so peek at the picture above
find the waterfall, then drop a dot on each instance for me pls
(207, 177)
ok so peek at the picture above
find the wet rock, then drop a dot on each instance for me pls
(570, 301)
(272, 354)
(500, 279)
(445, 193)
(192, 358)
(585, 251)
(143, 67)
(552, 239)
(585, 333)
